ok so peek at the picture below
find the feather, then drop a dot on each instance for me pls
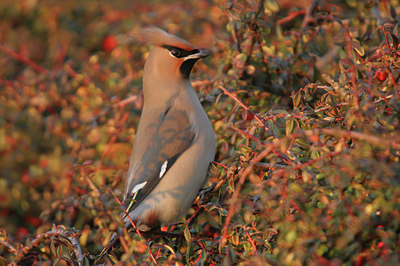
(163, 169)
(157, 36)
(170, 137)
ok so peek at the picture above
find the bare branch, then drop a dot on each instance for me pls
(72, 236)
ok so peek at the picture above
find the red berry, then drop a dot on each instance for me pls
(43, 163)
(33, 220)
(381, 244)
(22, 232)
(381, 75)
(360, 261)
(109, 43)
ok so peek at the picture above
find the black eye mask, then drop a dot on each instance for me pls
(179, 52)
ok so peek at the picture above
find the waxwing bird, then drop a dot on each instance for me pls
(175, 142)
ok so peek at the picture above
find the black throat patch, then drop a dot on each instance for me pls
(186, 67)
(188, 64)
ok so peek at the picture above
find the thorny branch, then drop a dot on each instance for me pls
(234, 200)
(260, 122)
(70, 235)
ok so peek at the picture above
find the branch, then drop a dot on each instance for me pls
(270, 166)
(72, 236)
(77, 249)
(137, 100)
(251, 241)
(260, 122)
(308, 163)
(377, 141)
(10, 247)
(234, 201)
(292, 15)
(247, 134)
(309, 11)
(23, 59)
(349, 49)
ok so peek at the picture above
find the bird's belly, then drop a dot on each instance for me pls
(173, 196)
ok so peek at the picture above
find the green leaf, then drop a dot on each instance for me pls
(358, 48)
(393, 12)
(111, 258)
(296, 99)
(59, 250)
(291, 236)
(86, 261)
(289, 126)
(395, 41)
(53, 248)
(187, 234)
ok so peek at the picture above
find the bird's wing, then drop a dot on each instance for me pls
(168, 137)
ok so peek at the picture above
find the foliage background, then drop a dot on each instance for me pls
(303, 96)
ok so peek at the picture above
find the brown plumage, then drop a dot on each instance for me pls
(156, 36)
(175, 142)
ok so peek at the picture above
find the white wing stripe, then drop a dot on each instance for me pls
(138, 187)
(163, 169)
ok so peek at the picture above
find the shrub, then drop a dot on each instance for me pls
(303, 99)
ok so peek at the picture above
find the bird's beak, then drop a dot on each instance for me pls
(200, 54)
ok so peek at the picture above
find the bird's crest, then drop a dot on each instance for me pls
(157, 36)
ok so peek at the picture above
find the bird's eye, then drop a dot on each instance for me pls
(175, 52)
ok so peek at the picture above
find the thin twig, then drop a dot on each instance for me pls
(292, 15)
(251, 241)
(77, 249)
(383, 99)
(23, 59)
(137, 100)
(346, 103)
(247, 134)
(192, 218)
(256, 117)
(10, 247)
(378, 141)
(152, 257)
(58, 232)
(330, 107)
(115, 235)
(270, 165)
(309, 11)
(234, 200)
(308, 163)
(127, 215)
(349, 49)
